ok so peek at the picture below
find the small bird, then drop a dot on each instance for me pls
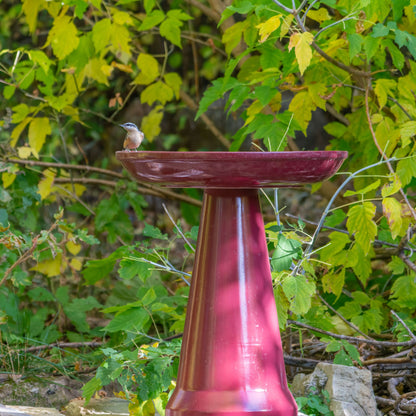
(134, 136)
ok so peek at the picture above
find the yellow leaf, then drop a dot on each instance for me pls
(319, 15)
(287, 21)
(39, 128)
(73, 247)
(316, 92)
(31, 8)
(45, 185)
(302, 106)
(268, 27)
(50, 267)
(7, 178)
(98, 70)
(76, 264)
(254, 108)
(151, 123)
(122, 67)
(24, 152)
(17, 131)
(157, 91)
(63, 36)
(392, 210)
(387, 135)
(303, 51)
(392, 187)
(174, 81)
(149, 69)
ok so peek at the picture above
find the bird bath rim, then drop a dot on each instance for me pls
(231, 170)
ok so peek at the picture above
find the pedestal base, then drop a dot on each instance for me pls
(231, 360)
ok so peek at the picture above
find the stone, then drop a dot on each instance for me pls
(28, 411)
(105, 406)
(350, 389)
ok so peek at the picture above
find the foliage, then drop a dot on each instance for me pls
(82, 255)
(314, 404)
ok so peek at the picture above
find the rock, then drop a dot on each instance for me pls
(350, 389)
(28, 411)
(105, 406)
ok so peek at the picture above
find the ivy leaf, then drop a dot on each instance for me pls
(360, 223)
(392, 210)
(63, 36)
(299, 290)
(303, 51)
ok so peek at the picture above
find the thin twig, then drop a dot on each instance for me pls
(380, 344)
(411, 334)
(178, 229)
(350, 324)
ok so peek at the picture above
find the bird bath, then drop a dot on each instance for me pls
(231, 360)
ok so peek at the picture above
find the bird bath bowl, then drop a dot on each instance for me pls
(231, 360)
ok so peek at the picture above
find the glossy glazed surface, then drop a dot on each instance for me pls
(231, 360)
(231, 169)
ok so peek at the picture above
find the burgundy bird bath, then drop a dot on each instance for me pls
(231, 360)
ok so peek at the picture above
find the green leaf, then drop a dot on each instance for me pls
(360, 223)
(299, 290)
(132, 267)
(171, 30)
(132, 319)
(336, 218)
(355, 40)
(342, 358)
(365, 190)
(379, 30)
(232, 36)
(403, 291)
(89, 388)
(286, 251)
(4, 218)
(152, 19)
(174, 81)
(153, 232)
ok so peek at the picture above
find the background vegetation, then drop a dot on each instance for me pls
(89, 258)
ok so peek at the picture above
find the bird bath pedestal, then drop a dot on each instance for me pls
(231, 361)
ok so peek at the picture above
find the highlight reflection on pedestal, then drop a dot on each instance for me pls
(231, 360)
